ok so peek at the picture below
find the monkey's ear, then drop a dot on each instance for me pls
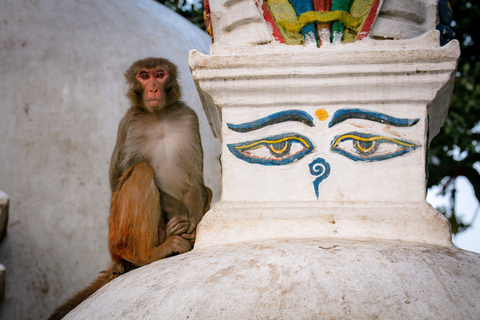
(125, 74)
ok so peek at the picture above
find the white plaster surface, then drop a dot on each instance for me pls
(238, 23)
(384, 199)
(63, 94)
(297, 279)
(405, 19)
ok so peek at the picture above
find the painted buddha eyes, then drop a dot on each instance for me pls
(369, 147)
(274, 150)
(286, 148)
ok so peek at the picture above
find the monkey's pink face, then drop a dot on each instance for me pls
(153, 84)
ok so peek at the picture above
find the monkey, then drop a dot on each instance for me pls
(161, 130)
(156, 176)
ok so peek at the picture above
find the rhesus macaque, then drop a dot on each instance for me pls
(156, 176)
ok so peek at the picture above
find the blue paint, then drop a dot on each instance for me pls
(243, 150)
(375, 141)
(446, 34)
(345, 114)
(302, 6)
(321, 169)
(445, 13)
(282, 116)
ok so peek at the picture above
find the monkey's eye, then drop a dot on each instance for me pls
(368, 147)
(160, 74)
(273, 151)
(144, 75)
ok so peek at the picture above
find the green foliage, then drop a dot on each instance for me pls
(456, 150)
(190, 9)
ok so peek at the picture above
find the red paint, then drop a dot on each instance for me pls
(322, 5)
(207, 18)
(271, 22)
(367, 26)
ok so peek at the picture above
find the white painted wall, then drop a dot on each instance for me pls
(62, 95)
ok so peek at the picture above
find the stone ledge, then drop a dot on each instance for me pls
(233, 223)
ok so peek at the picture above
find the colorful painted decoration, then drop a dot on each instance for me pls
(277, 34)
(370, 147)
(310, 17)
(308, 30)
(307, 21)
(283, 10)
(275, 150)
(366, 11)
(207, 18)
(323, 29)
(320, 169)
(296, 22)
(337, 26)
(282, 116)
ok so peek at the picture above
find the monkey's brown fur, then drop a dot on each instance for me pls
(136, 225)
(156, 176)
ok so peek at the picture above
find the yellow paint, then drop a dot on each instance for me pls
(283, 10)
(363, 149)
(370, 139)
(321, 114)
(278, 151)
(360, 10)
(316, 16)
(255, 145)
(253, 148)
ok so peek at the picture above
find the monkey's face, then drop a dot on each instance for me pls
(153, 87)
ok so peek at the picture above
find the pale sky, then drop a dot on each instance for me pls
(465, 207)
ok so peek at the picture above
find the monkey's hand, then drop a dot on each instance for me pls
(177, 245)
(177, 226)
(190, 236)
(192, 226)
(191, 233)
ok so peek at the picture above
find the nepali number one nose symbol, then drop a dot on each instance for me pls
(321, 169)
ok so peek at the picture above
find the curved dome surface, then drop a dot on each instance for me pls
(297, 279)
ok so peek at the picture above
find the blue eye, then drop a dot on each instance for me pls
(369, 147)
(273, 151)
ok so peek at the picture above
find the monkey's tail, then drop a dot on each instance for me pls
(115, 269)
